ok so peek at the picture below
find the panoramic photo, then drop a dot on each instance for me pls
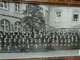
(38, 28)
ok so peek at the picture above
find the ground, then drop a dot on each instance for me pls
(57, 53)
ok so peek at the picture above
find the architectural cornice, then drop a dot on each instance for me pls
(10, 16)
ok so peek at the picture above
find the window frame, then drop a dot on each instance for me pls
(17, 7)
(17, 27)
(3, 25)
(75, 12)
(57, 16)
(58, 13)
(7, 5)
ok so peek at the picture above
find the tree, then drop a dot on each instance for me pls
(33, 17)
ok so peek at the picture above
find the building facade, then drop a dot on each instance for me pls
(10, 16)
(64, 17)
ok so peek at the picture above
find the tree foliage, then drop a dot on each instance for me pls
(34, 17)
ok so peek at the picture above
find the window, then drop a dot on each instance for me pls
(4, 5)
(5, 24)
(17, 26)
(17, 7)
(58, 14)
(75, 16)
(58, 17)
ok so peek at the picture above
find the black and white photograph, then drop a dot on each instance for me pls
(39, 28)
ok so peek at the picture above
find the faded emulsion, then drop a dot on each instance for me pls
(38, 28)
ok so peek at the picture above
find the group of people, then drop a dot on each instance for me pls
(39, 39)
